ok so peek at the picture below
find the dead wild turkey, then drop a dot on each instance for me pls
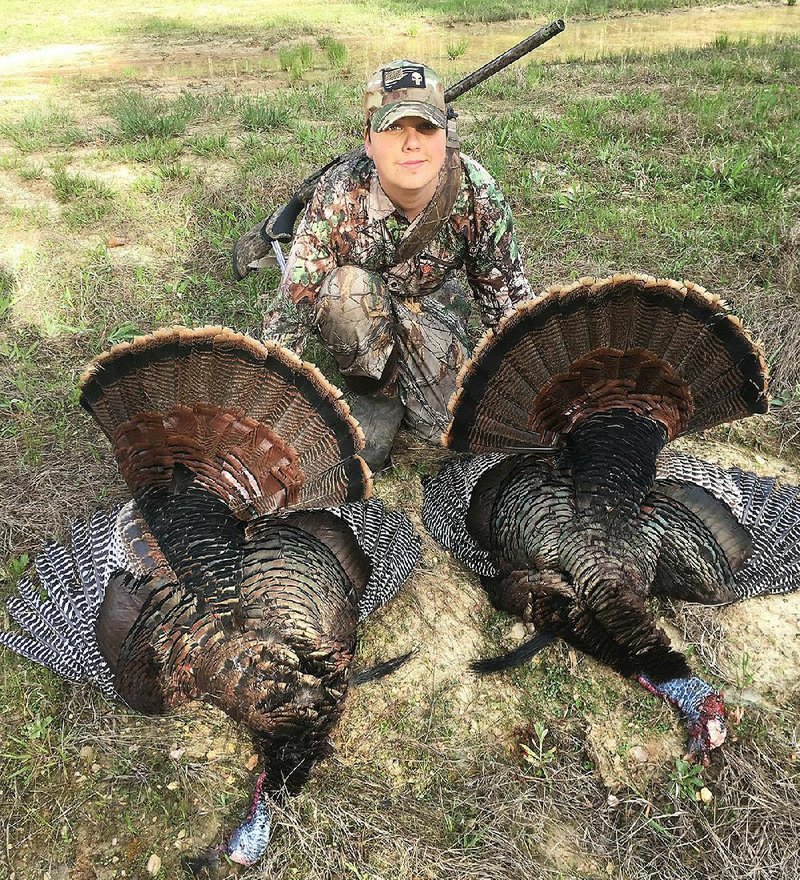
(223, 579)
(575, 538)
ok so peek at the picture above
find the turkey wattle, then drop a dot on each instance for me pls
(571, 513)
(239, 571)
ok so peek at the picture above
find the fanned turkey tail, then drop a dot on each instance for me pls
(251, 422)
(662, 349)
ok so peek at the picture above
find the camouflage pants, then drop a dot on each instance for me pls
(364, 327)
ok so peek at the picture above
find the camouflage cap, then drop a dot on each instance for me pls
(404, 88)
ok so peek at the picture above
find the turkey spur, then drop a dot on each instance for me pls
(570, 511)
(241, 567)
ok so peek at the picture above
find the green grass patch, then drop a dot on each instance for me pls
(67, 187)
(140, 116)
(41, 129)
(209, 144)
(262, 114)
(335, 51)
(166, 21)
(151, 149)
(456, 49)
(296, 60)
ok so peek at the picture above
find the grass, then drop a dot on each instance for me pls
(41, 129)
(260, 114)
(209, 144)
(456, 49)
(296, 60)
(681, 164)
(335, 51)
(140, 116)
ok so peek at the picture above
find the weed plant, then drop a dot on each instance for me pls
(41, 129)
(209, 144)
(68, 186)
(335, 51)
(296, 60)
(260, 114)
(140, 116)
(456, 49)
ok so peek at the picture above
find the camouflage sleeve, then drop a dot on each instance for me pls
(494, 265)
(311, 256)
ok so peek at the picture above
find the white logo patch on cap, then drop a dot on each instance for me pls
(409, 77)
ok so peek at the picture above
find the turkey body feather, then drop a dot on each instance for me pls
(225, 579)
(576, 540)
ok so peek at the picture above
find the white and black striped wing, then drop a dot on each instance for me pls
(57, 616)
(771, 512)
(446, 505)
(391, 544)
(682, 468)
(767, 508)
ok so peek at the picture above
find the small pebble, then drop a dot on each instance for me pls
(705, 795)
(153, 865)
(639, 755)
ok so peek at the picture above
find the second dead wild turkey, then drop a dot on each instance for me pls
(569, 510)
(239, 571)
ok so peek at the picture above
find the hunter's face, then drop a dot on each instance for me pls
(408, 157)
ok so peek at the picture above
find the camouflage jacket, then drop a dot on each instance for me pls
(350, 220)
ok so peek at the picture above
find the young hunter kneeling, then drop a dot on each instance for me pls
(374, 254)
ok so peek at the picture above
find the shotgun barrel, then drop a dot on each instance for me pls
(502, 61)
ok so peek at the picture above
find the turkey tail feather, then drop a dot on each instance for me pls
(664, 349)
(257, 426)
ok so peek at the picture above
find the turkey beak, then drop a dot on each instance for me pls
(250, 840)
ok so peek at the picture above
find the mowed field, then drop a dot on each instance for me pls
(122, 191)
